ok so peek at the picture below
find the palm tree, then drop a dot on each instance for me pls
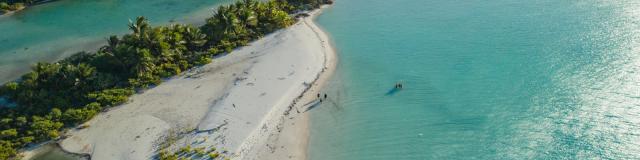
(194, 39)
(224, 24)
(140, 26)
(248, 14)
(112, 43)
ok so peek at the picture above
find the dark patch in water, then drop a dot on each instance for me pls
(393, 91)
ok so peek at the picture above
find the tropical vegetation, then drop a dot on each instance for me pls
(13, 5)
(187, 152)
(55, 96)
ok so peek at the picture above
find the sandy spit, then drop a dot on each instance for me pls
(291, 141)
(250, 102)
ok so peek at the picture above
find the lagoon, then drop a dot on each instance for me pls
(503, 79)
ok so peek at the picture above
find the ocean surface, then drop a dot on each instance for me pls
(500, 79)
(51, 31)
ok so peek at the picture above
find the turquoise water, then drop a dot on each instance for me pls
(501, 79)
(55, 30)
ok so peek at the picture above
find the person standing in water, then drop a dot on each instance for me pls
(398, 85)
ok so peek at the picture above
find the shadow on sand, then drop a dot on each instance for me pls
(312, 104)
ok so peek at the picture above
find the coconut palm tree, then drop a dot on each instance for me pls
(112, 43)
(139, 27)
(194, 38)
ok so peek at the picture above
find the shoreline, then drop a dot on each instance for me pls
(185, 101)
(9, 13)
(56, 52)
(330, 66)
(331, 60)
(291, 140)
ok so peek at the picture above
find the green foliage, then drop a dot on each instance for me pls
(6, 150)
(167, 156)
(236, 25)
(12, 5)
(214, 155)
(74, 90)
(199, 151)
(111, 97)
(25, 140)
(203, 61)
(8, 133)
(6, 7)
(20, 1)
(73, 116)
(185, 150)
(306, 4)
(11, 87)
(43, 128)
(21, 121)
(49, 85)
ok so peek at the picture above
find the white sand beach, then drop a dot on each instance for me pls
(241, 102)
(290, 138)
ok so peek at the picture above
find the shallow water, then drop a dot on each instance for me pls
(503, 79)
(53, 152)
(54, 30)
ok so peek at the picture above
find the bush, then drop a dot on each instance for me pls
(4, 5)
(168, 70)
(6, 150)
(8, 133)
(43, 129)
(185, 150)
(167, 156)
(74, 116)
(203, 60)
(200, 151)
(214, 155)
(112, 97)
(17, 6)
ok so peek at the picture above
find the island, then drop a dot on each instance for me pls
(158, 90)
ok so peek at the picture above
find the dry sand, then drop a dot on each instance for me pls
(131, 131)
(247, 102)
(291, 140)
